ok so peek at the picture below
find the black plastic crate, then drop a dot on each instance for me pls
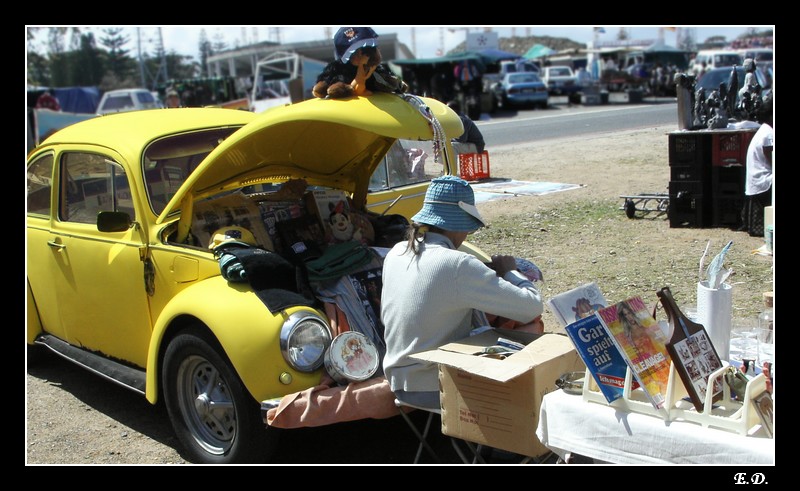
(690, 148)
(728, 180)
(688, 205)
(727, 211)
(700, 173)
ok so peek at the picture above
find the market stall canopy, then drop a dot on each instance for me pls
(538, 51)
(495, 55)
(469, 56)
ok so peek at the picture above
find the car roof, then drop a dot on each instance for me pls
(140, 128)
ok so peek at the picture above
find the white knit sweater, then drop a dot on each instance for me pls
(427, 301)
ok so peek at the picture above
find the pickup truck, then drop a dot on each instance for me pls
(560, 80)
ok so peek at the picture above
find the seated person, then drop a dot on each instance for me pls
(432, 291)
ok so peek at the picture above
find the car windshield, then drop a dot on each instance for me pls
(116, 102)
(523, 78)
(727, 60)
(711, 80)
(169, 161)
(559, 72)
(145, 97)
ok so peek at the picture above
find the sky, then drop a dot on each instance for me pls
(425, 41)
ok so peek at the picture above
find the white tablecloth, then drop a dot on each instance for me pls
(568, 424)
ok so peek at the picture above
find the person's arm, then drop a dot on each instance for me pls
(474, 135)
(768, 154)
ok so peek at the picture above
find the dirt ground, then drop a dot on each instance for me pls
(574, 236)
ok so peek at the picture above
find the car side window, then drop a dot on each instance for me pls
(40, 184)
(407, 162)
(91, 183)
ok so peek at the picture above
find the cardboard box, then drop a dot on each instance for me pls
(496, 402)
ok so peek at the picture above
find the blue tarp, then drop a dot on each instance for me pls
(78, 99)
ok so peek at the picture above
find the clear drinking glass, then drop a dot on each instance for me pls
(744, 345)
(766, 346)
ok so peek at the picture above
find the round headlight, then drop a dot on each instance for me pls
(304, 338)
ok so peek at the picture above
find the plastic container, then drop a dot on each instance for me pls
(351, 357)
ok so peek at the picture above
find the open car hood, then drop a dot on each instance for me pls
(333, 143)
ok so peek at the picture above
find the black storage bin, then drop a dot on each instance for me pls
(727, 194)
(690, 148)
(688, 205)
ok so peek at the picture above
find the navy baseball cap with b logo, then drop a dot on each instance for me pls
(349, 39)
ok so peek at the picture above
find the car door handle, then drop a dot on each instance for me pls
(55, 244)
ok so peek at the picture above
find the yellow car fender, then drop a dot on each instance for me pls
(247, 331)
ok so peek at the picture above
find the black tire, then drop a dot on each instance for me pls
(213, 415)
(630, 208)
(503, 102)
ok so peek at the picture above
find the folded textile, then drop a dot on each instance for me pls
(338, 260)
(324, 405)
(275, 281)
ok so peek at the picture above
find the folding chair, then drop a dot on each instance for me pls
(476, 451)
(422, 436)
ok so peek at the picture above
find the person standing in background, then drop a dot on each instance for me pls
(173, 99)
(758, 178)
(48, 101)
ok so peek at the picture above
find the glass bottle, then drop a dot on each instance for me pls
(766, 337)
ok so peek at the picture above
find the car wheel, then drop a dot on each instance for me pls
(494, 105)
(213, 415)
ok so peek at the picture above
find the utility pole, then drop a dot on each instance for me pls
(275, 34)
(161, 76)
(139, 54)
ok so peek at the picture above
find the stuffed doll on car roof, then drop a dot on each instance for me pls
(357, 70)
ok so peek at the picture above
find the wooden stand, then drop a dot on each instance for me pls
(726, 414)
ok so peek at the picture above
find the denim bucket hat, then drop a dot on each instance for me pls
(349, 39)
(450, 205)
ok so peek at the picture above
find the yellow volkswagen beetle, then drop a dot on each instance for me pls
(122, 209)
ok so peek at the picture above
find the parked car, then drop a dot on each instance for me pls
(712, 79)
(715, 58)
(560, 80)
(115, 101)
(121, 213)
(521, 89)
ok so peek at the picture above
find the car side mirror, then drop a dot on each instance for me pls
(113, 221)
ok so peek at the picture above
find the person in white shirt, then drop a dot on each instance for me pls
(432, 292)
(758, 177)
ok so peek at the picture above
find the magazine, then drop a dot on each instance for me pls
(577, 303)
(642, 343)
(600, 355)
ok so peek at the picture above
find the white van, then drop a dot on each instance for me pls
(715, 58)
(115, 101)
